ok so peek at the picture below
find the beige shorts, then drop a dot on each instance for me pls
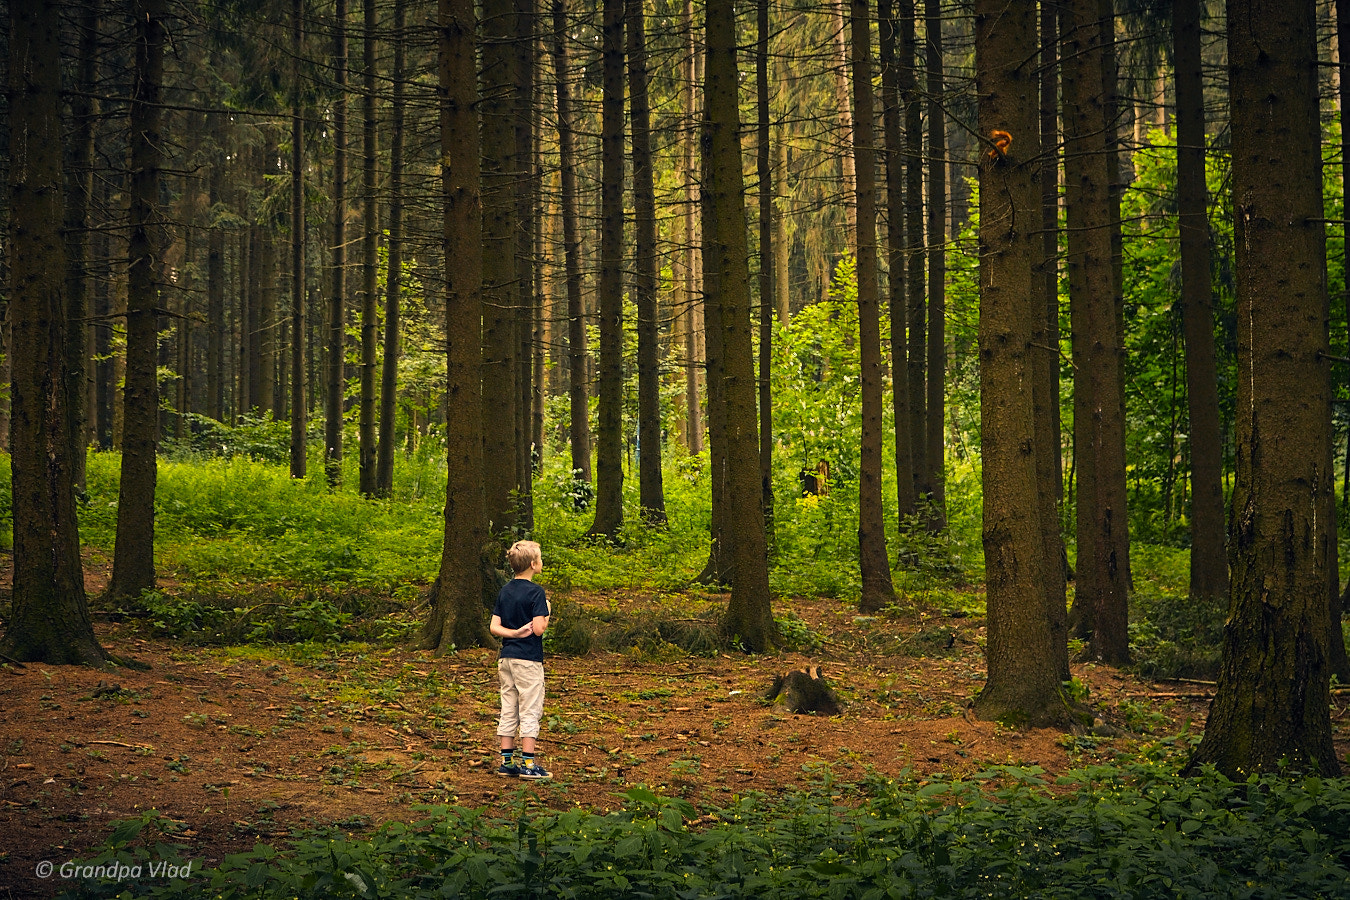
(522, 686)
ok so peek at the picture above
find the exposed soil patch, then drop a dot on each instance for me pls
(245, 744)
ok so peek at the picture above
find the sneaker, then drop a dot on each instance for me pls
(507, 771)
(533, 770)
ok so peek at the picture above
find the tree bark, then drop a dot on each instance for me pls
(935, 402)
(1272, 707)
(384, 452)
(1023, 683)
(134, 548)
(1101, 590)
(651, 491)
(299, 383)
(609, 433)
(337, 330)
(580, 429)
(458, 618)
(80, 187)
(370, 253)
(767, 273)
(1045, 350)
(877, 590)
(916, 315)
(749, 616)
(526, 181)
(888, 32)
(1209, 559)
(49, 616)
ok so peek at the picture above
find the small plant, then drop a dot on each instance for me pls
(797, 635)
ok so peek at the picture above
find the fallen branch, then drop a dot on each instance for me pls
(120, 744)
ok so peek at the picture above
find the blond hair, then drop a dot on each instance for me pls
(522, 556)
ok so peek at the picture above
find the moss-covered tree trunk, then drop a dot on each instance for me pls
(877, 590)
(49, 619)
(1023, 683)
(1272, 700)
(458, 618)
(134, 548)
(749, 615)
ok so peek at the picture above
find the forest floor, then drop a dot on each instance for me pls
(248, 744)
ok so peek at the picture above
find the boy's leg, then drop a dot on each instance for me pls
(509, 720)
(530, 683)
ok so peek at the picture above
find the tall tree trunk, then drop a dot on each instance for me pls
(720, 567)
(1271, 707)
(916, 315)
(80, 186)
(1209, 560)
(1101, 590)
(1045, 349)
(103, 382)
(580, 429)
(215, 281)
(337, 331)
(877, 590)
(299, 387)
(767, 275)
(525, 181)
(609, 437)
(370, 256)
(935, 404)
(749, 616)
(1339, 662)
(888, 32)
(847, 164)
(651, 491)
(134, 549)
(1023, 685)
(384, 455)
(457, 615)
(694, 325)
(49, 616)
(498, 87)
(266, 286)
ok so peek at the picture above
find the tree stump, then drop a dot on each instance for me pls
(804, 691)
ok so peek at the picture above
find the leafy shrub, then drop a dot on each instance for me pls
(1106, 832)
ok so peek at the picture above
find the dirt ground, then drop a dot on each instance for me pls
(245, 744)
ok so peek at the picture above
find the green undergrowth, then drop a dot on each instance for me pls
(1100, 832)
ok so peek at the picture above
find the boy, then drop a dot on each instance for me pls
(520, 618)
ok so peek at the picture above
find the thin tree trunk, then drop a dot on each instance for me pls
(384, 453)
(134, 549)
(935, 433)
(215, 285)
(49, 616)
(847, 164)
(693, 251)
(1023, 684)
(457, 617)
(80, 186)
(651, 491)
(1209, 557)
(877, 590)
(766, 268)
(889, 31)
(299, 386)
(580, 428)
(749, 616)
(916, 316)
(370, 261)
(609, 436)
(1100, 598)
(526, 181)
(337, 332)
(1271, 709)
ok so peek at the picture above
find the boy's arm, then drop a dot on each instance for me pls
(501, 631)
(539, 624)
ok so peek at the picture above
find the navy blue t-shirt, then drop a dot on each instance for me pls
(518, 602)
